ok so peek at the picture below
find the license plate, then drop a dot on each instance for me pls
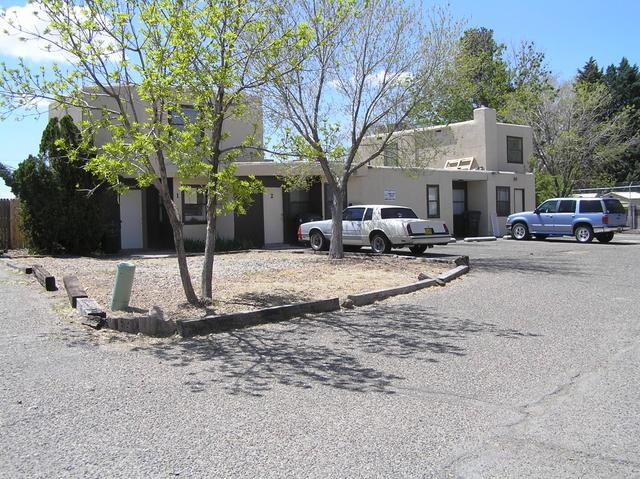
(428, 231)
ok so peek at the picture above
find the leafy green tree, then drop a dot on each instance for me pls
(479, 77)
(134, 64)
(574, 137)
(623, 82)
(5, 174)
(368, 68)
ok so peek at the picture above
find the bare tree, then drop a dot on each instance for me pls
(372, 66)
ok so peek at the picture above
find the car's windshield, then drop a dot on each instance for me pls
(614, 206)
(388, 213)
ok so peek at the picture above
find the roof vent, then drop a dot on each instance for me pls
(462, 164)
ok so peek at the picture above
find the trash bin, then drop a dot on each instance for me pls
(473, 223)
(122, 287)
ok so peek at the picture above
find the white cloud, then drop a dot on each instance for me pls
(25, 32)
(15, 43)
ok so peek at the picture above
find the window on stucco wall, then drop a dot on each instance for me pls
(503, 201)
(433, 201)
(194, 207)
(514, 149)
(390, 154)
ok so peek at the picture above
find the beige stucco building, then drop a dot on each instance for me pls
(470, 175)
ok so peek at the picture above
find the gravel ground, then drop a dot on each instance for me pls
(242, 281)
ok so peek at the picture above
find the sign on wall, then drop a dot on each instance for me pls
(389, 195)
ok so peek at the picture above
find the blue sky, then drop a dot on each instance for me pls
(567, 31)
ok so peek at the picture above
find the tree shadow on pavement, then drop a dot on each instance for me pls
(526, 266)
(342, 350)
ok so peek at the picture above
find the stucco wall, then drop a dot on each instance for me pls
(376, 185)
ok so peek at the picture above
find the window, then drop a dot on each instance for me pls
(352, 214)
(390, 154)
(389, 213)
(433, 201)
(591, 206)
(503, 201)
(613, 205)
(187, 115)
(514, 149)
(567, 206)
(194, 206)
(368, 215)
(549, 206)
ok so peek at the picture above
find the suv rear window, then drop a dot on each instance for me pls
(614, 206)
(591, 206)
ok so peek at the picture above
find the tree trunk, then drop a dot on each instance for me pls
(336, 250)
(178, 238)
(206, 285)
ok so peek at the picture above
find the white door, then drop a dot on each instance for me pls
(518, 197)
(273, 216)
(131, 219)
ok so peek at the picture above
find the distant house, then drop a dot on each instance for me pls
(477, 177)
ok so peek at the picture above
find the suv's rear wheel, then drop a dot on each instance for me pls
(584, 233)
(519, 231)
(605, 237)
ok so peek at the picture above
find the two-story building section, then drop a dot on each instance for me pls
(471, 174)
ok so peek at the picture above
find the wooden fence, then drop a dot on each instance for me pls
(10, 234)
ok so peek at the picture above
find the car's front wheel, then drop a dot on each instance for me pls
(318, 241)
(519, 231)
(605, 237)
(418, 249)
(380, 244)
(584, 233)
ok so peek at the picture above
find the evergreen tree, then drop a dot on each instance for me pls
(590, 73)
(59, 216)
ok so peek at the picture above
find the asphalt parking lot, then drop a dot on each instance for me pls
(528, 366)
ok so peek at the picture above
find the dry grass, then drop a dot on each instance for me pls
(242, 281)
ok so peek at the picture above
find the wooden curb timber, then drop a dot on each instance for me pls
(373, 296)
(229, 322)
(454, 273)
(20, 267)
(44, 277)
(74, 290)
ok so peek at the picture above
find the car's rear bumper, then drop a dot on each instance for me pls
(610, 229)
(438, 239)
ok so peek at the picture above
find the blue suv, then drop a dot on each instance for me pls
(584, 218)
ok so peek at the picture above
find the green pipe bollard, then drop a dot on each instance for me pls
(122, 288)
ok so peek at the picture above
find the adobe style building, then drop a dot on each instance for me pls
(475, 174)
(471, 175)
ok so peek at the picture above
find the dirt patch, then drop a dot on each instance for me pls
(242, 281)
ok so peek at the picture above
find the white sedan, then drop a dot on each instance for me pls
(381, 226)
